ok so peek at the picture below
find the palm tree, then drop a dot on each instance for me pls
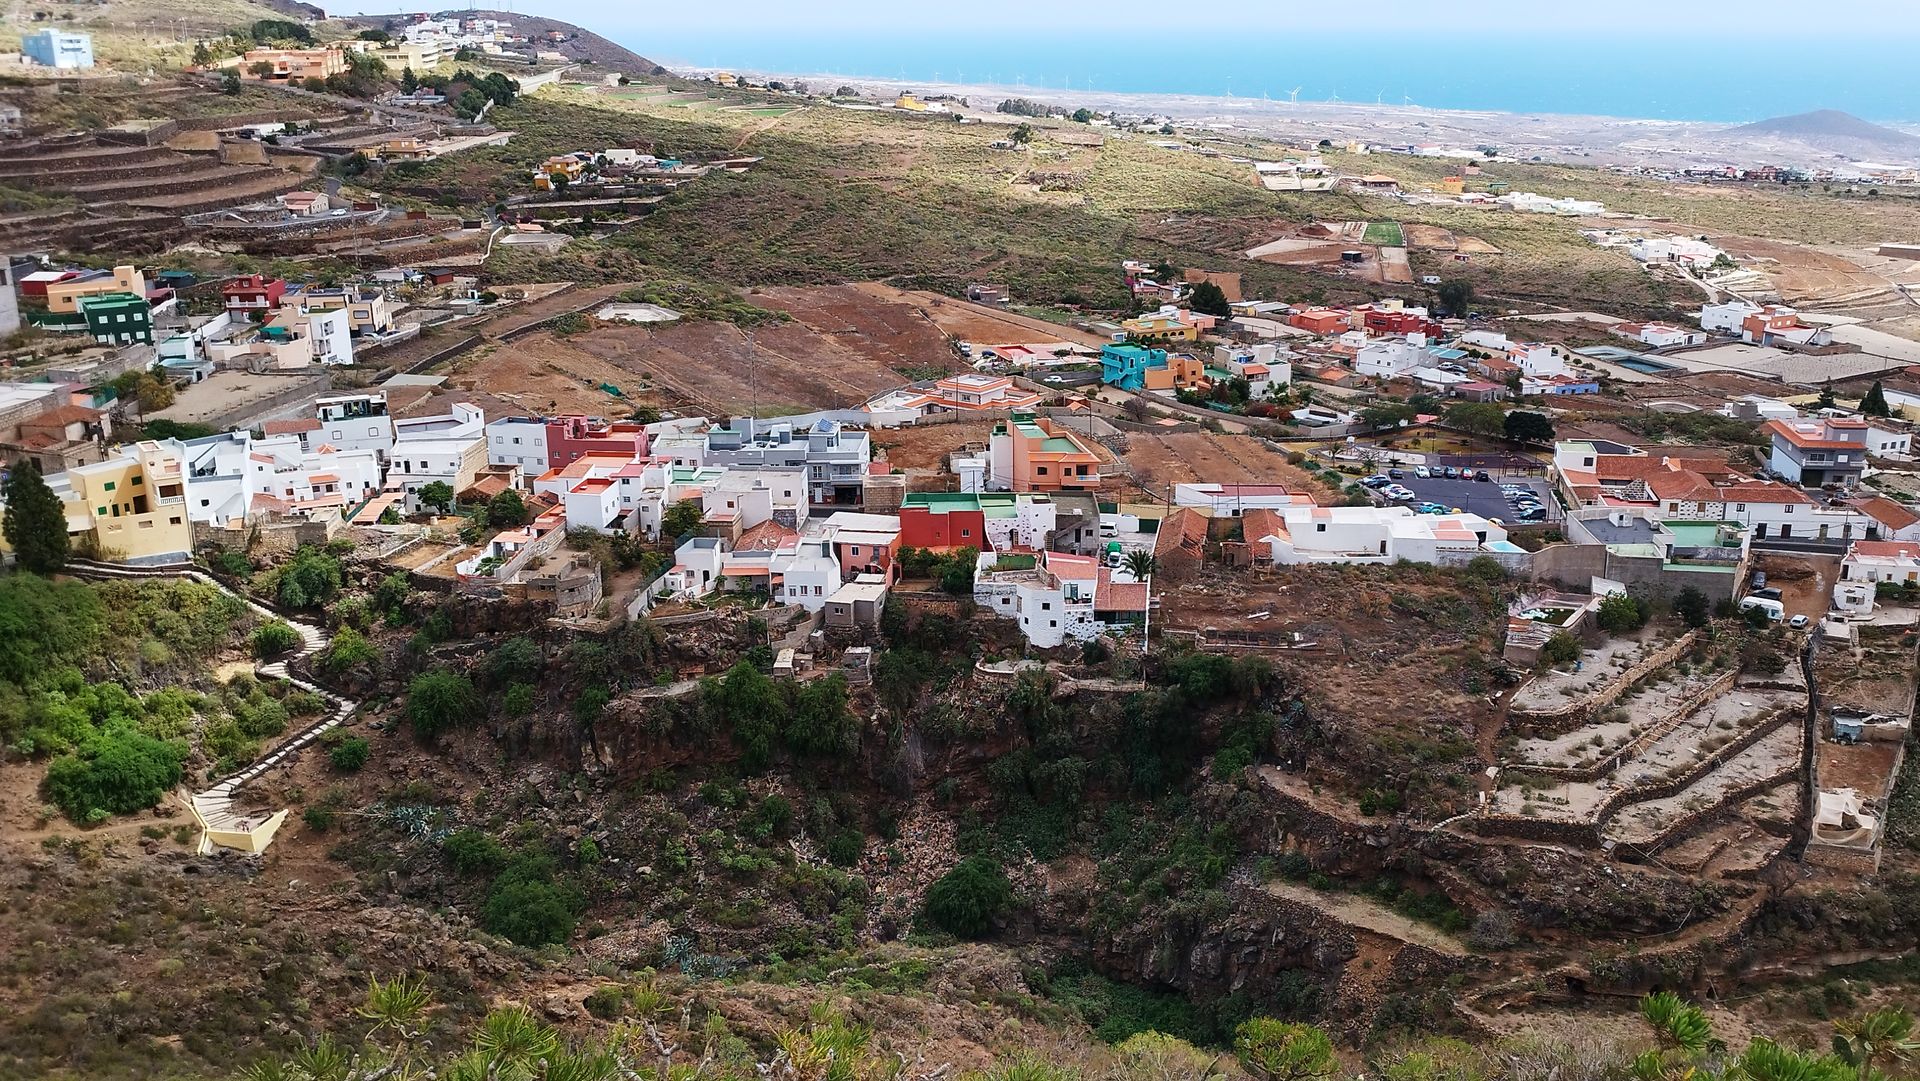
(1141, 564)
(1875, 1040)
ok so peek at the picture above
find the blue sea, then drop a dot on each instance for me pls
(1676, 77)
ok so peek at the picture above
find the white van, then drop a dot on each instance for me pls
(1774, 609)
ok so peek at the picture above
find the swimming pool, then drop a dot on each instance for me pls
(1645, 366)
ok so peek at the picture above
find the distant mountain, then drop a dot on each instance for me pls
(1834, 131)
(575, 42)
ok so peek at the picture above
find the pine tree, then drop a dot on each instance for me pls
(36, 524)
(1826, 400)
(1875, 403)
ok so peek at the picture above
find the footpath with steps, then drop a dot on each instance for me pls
(221, 823)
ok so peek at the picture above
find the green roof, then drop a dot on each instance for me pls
(1060, 445)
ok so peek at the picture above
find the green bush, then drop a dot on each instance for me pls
(273, 639)
(473, 852)
(349, 755)
(349, 650)
(119, 772)
(439, 700)
(966, 900)
(844, 848)
(528, 907)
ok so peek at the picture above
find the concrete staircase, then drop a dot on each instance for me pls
(221, 823)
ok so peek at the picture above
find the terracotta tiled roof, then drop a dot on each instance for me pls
(290, 427)
(1886, 512)
(1886, 549)
(1111, 596)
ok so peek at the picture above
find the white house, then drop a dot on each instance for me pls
(355, 422)
(1233, 500)
(1674, 249)
(749, 497)
(1390, 357)
(1727, 318)
(449, 448)
(1659, 335)
(1263, 366)
(1307, 534)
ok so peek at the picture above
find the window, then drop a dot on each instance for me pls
(1320, 527)
(107, 487)
(137, 480)
(175, 520)
(1046, 606)
(1042, 471)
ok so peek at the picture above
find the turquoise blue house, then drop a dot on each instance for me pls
(1126, 366)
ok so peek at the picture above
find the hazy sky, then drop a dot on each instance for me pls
(1723, 17)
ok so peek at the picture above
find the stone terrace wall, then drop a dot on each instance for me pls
(1563, 719)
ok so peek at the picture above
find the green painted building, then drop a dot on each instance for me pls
(118, 318)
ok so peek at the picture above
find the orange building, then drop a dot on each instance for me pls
(1033, 454)
(293, 65)
(1183, 371)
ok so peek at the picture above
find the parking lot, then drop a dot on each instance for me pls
(1478, 497)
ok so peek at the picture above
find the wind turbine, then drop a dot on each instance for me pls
(1293, 96)
(1334, 97)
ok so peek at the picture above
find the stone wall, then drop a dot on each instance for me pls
(1639, 743)
(1563, 719)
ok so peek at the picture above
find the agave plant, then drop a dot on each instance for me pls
(1875, 1040)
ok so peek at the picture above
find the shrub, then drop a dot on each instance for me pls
(1283, 1050)
(1561, 649)
(349, 755)
(527, 907)
(844, 847)
(273, 639)
(349, 650)
(473, 852)
(318, 818)
(966, 900)
(119, 772)
(1492, 930)
(309, 580)
(439, 700)
(1622, 613)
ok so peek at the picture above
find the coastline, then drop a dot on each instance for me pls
(1552, 137)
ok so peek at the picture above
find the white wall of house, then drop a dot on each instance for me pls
(520, 441)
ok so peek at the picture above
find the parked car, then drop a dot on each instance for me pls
(1774, 609)
(1451, 473)
(1430, 508)
(1769, 594)
(1531, 514)
(1759, 579)
(1377, 480)
(1798, 622)
(1483, 475)
(1421, 471)
(1399, 494)
(1396, 474)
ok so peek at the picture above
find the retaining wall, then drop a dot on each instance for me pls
(1562, 719)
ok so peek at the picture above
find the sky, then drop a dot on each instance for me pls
(1723, 17)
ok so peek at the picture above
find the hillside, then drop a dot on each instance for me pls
(577, 43)
(1833, 130)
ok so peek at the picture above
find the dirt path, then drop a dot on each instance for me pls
(1369, 915)
(756, 129)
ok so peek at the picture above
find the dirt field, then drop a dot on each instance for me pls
(841, 347)
(1810, 276)
(924, 449)
(1430, 237)
(1188, 457)
(977, 322)
(544, 374)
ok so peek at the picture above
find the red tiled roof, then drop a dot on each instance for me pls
(1111, 596)
(62, 416)
(1886, 549)
(768, 536)
(1886, 512)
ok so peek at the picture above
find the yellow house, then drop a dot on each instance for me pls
(908, 101)
(131, 507)
(65, 297)
(1453, 185)
(421, 56)
(1161, 326)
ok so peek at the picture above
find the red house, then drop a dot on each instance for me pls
(940, 521)
(252, 297)
(1386, 321)
(570, 437)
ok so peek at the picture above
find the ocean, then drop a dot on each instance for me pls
(1675, 77)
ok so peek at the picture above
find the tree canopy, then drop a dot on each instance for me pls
(36, 523)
